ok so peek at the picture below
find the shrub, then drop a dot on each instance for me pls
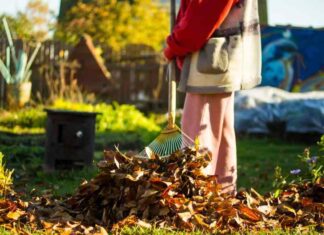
(25, 118)
(5, 178)
(113, 118)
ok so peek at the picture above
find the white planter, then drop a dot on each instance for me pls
(18, 94)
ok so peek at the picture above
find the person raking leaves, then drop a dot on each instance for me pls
(217, 47)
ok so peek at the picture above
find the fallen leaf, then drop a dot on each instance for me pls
(149, 193)
(143, 224)
(15, 215)
(248, 213)
(185, 216)
(282, 208)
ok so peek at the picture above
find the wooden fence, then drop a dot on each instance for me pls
(137, 76)
(139, 81)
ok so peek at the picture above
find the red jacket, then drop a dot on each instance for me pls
(196, 22)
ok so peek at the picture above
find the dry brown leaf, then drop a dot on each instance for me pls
(47, 225)
(185, 216)
(15, 215)
(267, 210)
(116, 163)
(200, 220)
(164, 211)
(143, 224)
(283, 208)
(257, 195)
(306, 201)
(149, 193)
(248, 213)
(251, 202)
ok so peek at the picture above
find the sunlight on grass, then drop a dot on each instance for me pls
(257, 159)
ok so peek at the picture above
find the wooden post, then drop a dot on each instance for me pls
(263, 12)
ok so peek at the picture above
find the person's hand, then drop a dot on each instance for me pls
(164, 59)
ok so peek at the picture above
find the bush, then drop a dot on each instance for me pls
(113, 119)
(25, 118)
(5, 178)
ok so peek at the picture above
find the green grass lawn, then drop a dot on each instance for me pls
(257, 159)
(143, 231)
(158, 231)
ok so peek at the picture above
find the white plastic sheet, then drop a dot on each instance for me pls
(260, 107)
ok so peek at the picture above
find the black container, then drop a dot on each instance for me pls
(69, 138)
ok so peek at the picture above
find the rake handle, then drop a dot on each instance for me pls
(172, 76)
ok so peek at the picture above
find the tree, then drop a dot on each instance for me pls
(66, 5)
(115, 23)
(32, 24)
(20, 26)
(38, 13)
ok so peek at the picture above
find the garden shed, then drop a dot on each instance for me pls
(92, 75)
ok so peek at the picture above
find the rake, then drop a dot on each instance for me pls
(171, 137)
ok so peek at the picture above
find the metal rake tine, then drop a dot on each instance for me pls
(157, 148)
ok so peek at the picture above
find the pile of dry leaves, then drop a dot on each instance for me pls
(41, 214)
(172, 193)
(175, 193)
